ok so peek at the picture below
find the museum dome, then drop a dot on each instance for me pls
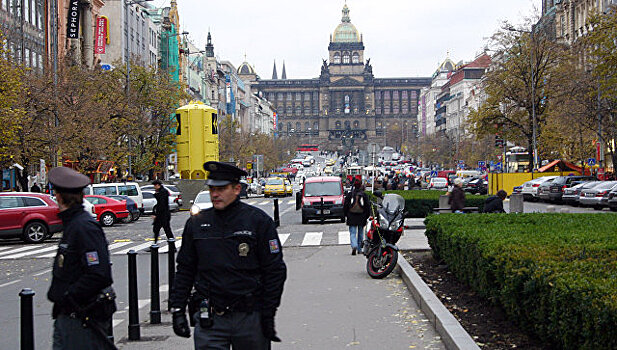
(346, 32)
(245, 69)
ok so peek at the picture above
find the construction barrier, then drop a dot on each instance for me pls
(507, 181)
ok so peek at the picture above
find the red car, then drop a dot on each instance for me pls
(31, 216)
(108, 210)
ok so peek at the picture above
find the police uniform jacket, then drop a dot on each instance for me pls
(228, 255)
(162, 204)
(81, 268)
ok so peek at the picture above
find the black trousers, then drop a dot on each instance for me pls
(156, 228)
(238, 330)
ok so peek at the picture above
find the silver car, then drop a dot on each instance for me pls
(202, 201)
(174, 192)
(150, 202)
(592, 197)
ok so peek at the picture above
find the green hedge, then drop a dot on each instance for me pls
(420, 203)
(554, 274)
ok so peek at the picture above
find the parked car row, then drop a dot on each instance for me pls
(572, 190)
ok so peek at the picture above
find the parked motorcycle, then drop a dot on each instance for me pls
(386, 229)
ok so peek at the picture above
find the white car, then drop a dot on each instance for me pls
(201, 202)
(438, 183)
(530, 188)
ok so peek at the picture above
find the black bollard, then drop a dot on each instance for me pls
(27, 319)
(171, 267)
(155, 297)
(277, 220)
(133, 304)
(323, 217)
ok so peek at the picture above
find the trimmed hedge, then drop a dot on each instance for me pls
(420, 203)
(553, 274)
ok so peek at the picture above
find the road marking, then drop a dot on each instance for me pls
(117, 322)
(135, 248)
(291, 202)
(119, 244)
(3, 248)
(21, 255)
(51, 255)
(344, 238)
(42, 272)
(9, 283)
(178, 244)
(164, 288)
(283, 237)
(264, 203)
(17, 250)
(312, 238)
(287, 210)
(142, 302)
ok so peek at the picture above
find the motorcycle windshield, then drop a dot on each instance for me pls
(392, 203)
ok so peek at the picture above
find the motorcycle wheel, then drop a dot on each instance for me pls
(379, 267)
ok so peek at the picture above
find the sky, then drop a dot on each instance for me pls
(403, 38)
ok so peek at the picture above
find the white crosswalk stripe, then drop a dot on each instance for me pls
(165, 249)
(291, 202)
(32, 252)
(264, 203)
(283, 237)
(312, 238)
(344, 238)
(20, 249)
(135, 248)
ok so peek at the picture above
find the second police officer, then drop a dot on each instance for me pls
(231, 255)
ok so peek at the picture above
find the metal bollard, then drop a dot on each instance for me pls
(155, 297)
(27, 319)
(277, 220)
(133, 304)
(322, 213)
(171, 267)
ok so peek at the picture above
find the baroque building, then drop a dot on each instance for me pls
(346, 107)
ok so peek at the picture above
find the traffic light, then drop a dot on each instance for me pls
(498, 141)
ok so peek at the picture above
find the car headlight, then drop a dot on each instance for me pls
(195, 210)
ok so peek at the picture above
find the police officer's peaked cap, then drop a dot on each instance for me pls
(67, 180)
(222, 174)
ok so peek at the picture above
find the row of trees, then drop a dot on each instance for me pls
(571, 90)
(83, 115)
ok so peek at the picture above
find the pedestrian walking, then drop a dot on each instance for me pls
(494, 204)
(35, 188)
(457, 197)
(162, 216)
(81, 278)
(357, 210)
(232, 256)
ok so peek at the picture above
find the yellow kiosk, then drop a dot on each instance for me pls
(197, 139)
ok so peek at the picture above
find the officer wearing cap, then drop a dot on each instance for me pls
(81, 269)
(232, 256)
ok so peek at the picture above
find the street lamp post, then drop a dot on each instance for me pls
(188, 66)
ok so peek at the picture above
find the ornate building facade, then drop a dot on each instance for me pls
(346, 106)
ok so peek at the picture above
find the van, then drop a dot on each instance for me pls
(315, 189)
(129, 189)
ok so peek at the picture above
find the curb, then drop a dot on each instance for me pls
(452, 333)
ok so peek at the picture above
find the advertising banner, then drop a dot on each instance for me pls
(72, 23)
(100, 35)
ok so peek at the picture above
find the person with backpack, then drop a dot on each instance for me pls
(357, 210)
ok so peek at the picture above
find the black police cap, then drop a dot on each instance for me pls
(222, 174)
(67, 180)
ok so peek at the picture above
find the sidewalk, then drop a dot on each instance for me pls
(413, 237)
(157, 336)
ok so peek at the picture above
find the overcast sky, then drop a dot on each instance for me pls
(403, 38)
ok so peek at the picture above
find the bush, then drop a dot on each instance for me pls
(420, 203)
(554, 274)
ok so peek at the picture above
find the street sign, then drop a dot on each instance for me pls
(433, 173)
(461, 162)
(481, 163)
(591, 161)
(106, 66)
(249, 166)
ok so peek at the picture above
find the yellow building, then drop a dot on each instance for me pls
(197, 139)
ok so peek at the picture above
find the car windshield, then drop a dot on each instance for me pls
(203, 197)
(315, 189)
(275, 182)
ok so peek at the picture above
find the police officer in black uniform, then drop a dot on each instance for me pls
(81, 278)
(231, 255)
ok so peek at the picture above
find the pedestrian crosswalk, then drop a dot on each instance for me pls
(288, 239)
(266, 202)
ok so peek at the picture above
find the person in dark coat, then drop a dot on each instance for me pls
(457, 197)
(494, 204)
(162, 215)
(232, 256)
(35, 188)
(357, 210)
(81, 271)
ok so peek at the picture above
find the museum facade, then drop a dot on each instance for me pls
(346, 107)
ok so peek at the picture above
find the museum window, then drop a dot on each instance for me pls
(289, 96)
(347, 125)
(298, 126)
(355, 58)
(307, 126)
(315, 96)
(307, 110)
(279, 96)
(289, 127)
(307, 96)
(298, 110)
(337, 58)
(356, 124)
(271, 96)
(346, 58)
(298, 96)
(316, 111)
(289, 110)
(337, 125)
(379, 125)
(315, 126)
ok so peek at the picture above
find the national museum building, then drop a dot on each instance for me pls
(346, 105)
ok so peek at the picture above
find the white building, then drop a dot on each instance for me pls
(428, 97)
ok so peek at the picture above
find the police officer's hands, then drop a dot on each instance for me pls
(267, 326)
(181, 324)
